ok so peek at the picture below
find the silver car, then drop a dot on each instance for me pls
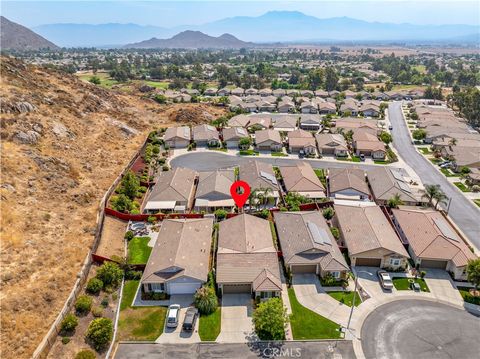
(385, 280)
(172, 315)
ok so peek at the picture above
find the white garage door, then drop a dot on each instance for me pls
(183, 288)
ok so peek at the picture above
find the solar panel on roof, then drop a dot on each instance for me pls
(268, 177)
(319, 235)
(446, 230)
(405, 187)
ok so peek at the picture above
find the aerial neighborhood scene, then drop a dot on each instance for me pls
(226, 179)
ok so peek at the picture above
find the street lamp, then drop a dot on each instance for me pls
(355, 295)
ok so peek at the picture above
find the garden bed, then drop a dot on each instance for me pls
(307, 324)
(402, 283)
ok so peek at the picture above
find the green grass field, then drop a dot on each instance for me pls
(425, 150)
(139, 323)
(209, 326)
(307, 324)
(138, 250)
(462, 187)
(403, 284)
(448, 173)
(345, 297)
(248, 153)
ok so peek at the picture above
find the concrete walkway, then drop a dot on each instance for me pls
(311, 295)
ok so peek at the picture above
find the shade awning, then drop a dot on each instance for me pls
(160, 205)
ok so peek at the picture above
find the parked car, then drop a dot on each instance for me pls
(172, 315)
(385, 280)
(362, 157)
(301, 154)
(446, 165)
(190, 319)
(415, 287)
(390, 127)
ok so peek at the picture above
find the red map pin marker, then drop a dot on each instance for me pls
(240, 191)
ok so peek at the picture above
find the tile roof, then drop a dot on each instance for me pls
(258, 174)
(182, 249)
(181, 132)
(366, 228)
(347, 178)
(215, 184)
(300, 177)
(387, 182)
(174, 185)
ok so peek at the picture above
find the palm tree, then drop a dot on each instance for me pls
(430, 191)
(395, 201)
(267, 194)
(252, 198)
(440, 197)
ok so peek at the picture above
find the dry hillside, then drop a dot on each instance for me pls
(63, 142)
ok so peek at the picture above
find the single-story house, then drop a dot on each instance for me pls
(210, 91)
(308, 107)
(432, 241)
(462, 156)
(301, 178)
(250, 91)
(369, 237)
(279, 92)
(285, 123)
(248, 106)
(347, 183)
(368, 144)
(247, 261)
(325, 108)
(233, 135)
(172, 192)
(260, 176)
(385, 183)
(238, 91)
(357, 125)
(239, 121)
(331, 144)
(321, 93)
(285, 106)
(206, 135)
(310, 123)
(301, 140)
(259, 121)
(213, 191)
(177, 137)
(265, 92)
(349, 107)
(308, 245)
(268, 140)
(179, 260)
(224, 92)
(370, 110)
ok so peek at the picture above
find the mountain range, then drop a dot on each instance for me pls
(17, 37)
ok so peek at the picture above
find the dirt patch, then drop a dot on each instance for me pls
(112, 241)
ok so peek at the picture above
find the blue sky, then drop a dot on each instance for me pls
(173, 13)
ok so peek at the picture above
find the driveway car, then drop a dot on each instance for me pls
(172, 315)
(190, 319)
(385, 280)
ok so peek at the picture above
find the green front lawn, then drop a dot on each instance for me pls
(435, 160)
(221, 149)
(448, 173)
(279, 154)
(462, 187)
(467, 297)
(248, 153)
(355, 159)
(345, 297)
(139, 323)
(209, 326)
(403, 284)
(477, 202)
(138, 250)
(424, 150)
(310, 325)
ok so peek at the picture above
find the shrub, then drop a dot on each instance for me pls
(94, 286)
(264, 213)
(335, 232)
(328, 213)
(69, 323)
(165, 168)
(220, 214)
(133, 275)
(97, 311)
(65, 340)
(161, 160)
(423, 274)
(151, 219)
(270, 319)
(122, 203)
(206, 300)
(85, 354)
(110, 274)
(105, 302)
(83, 304)
(129, 235)
(100, 332)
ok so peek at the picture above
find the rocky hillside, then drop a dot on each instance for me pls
(63, 143)
(17, 37)
(192, 40)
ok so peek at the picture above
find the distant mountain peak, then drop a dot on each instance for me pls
(17, 37)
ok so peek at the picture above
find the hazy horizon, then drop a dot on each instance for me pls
(172, 14)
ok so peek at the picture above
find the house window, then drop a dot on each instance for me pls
(157, 287)
(394, 261)
(335, 274)
(265, 295)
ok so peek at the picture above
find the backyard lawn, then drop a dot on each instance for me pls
(209, 326)
(139, 323)
(403, 284)
(345, 297)
(462, 187)
(138, 250)
(310, 325)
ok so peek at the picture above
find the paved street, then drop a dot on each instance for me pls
(420, 329)
(292, 349)
(465, 214)
(211, 160)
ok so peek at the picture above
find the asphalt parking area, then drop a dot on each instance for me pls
(420, 329)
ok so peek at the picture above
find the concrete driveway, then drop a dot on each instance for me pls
(311, 295)
(237, 326)
(368, 281)
(441, 286)
(177, 335)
